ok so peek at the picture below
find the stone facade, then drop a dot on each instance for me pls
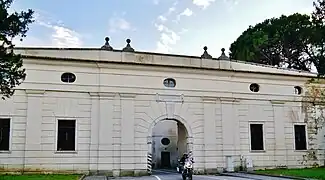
(118, 97)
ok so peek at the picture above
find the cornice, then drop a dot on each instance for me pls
(127, 95)
(108, 95)
(210, 99)
(190, 95)
(229, 99)
(34, 92)
(277, 102)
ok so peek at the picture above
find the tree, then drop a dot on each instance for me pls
(276, 41)
(316, 50)
(318, 16)
(296, 41)
(11, 25)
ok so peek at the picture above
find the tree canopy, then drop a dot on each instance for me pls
(295, 41)
(316, 49)
(11, 25)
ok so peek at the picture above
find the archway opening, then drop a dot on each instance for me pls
(169, 140)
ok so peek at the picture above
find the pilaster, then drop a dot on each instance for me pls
(210, 147)
(127, 132)
(280, 153)
(33, 123)
(101, 154)
(106, 106)
(230, 127)
(94, 135)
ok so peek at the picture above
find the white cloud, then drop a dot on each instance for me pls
(160, 27)
(187, 12)
(60, 35)
(162, 18)
(203, 3)
(167, 39)
(119, 23)
(64, 37)
(172, 8)
(183, 31)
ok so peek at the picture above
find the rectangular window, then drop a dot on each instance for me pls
(257, 140)
(300, 137)
(66, 138)
(4, 134)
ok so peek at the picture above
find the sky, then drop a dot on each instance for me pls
(163, 26)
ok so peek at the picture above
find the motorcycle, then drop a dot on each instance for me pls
(187, 170)
(180, 166)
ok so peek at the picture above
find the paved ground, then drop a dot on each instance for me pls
(169, 175)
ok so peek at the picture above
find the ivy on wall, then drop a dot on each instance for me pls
(314, 106)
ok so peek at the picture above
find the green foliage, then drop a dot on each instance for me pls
(318, 16)
(274, 42)
(317, 49)
(40, 177)
(11, 26)
(314, 173)
(297, 41)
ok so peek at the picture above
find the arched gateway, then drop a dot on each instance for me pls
(184, 142)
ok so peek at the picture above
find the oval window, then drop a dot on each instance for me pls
(169, 82)
(165, 141)
(68, 77)
(298, 90)
(254, 87)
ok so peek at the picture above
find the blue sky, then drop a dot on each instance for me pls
(165, 26)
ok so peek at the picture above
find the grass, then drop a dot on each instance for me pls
(40, 177)
(314, 173)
